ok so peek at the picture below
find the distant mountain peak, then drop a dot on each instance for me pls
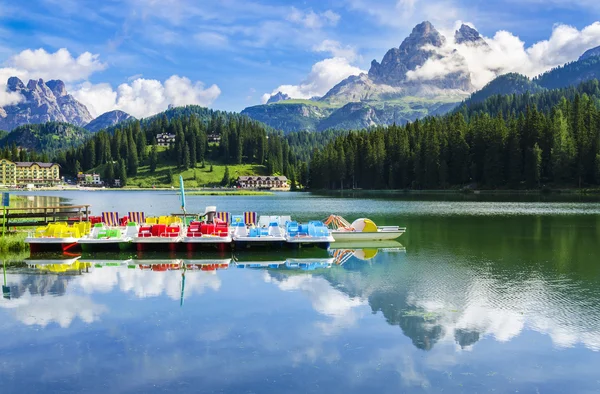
(108, 119)
(413, 53)
(58, 87)
(279, 96)
(590, 53)
(467, 35)
(42, 102)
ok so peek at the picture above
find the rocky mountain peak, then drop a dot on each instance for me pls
(42, 102)
(279, 96)
(590, 53)
(15, 84)
(58, 87)
(466, 34)
(419, 47)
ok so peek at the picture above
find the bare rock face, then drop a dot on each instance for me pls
(279, 96)
(411, 54)
(419, 47)
(467, 35)
(42, 102)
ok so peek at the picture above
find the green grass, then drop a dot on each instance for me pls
(13, 243)
(193, 177)
(228, 193)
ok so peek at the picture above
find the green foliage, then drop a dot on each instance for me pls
(559, 146)
(226, 177)
(48, 137)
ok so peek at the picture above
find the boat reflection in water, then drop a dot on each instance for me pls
(303, 260)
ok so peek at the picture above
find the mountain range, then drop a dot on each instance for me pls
(392, 92)
(49, 101)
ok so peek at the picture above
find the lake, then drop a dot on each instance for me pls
(482, 294)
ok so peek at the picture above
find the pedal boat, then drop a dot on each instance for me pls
(56, 237)
(211, 231)
(314, 233)
(362, 230)
(268, 232)
(159, 234)
(103, 237)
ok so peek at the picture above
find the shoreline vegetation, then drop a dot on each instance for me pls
(245, 192)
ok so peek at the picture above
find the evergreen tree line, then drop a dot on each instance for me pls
(223, 139)
(518, 103)
(13, 153)
(509, 150)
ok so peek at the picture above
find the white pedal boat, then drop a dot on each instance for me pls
(363, 230)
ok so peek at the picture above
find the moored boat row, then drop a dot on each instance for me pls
(211, 229)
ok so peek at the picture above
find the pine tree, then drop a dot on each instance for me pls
(186, 157)
(225, 181)
(153, 158)
(123, 173)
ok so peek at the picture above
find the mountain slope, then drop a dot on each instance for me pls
(108, 119)
(386, 95)
(506, 84)
(46, 137)
(42, 102)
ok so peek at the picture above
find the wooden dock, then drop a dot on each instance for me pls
(41, 216)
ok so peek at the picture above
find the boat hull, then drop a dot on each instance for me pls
(350, 236)
(50, 244)
(92, 245)
(321, 242)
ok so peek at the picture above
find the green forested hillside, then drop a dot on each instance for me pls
(121, 153)
(46, 137)
(518, 103)
(570, 74)
(560, 146)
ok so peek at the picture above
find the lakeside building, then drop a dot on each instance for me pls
(262, 182)
(28, 173)
(89, 179)
(165, 139)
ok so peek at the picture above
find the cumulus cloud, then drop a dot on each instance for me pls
(507, 53)
(139, 96)
(325, 300)
(42, 310)
(312, 20)
(323, 76)
(336, 49)
(144, 97)
(58, 65)
(146, 283)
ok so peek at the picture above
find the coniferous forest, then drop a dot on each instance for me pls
(523, 148)
(121, 151)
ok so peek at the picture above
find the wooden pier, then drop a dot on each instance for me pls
(41, 216)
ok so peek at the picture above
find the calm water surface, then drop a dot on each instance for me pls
(481, 296)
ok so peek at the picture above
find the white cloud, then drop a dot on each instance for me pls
(312, 20)
(323, 76)
(144, 97)
(325, 300)
(336, 49)
(43, 310)
(507, 53)
(139, 96)
(58, 65)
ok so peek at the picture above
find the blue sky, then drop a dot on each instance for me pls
(244, 48)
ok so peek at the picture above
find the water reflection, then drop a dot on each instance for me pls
(414, 318)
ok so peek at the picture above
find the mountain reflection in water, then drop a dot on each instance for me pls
(316, 307)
